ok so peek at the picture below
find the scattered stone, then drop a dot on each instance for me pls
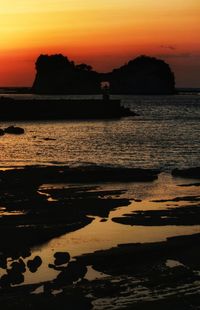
(34, 264)
(19, 266)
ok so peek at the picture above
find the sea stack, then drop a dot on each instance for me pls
(143, 75)
(56, 74)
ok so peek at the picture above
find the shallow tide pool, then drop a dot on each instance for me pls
(100, 235)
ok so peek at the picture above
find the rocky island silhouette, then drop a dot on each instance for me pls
(56, 74)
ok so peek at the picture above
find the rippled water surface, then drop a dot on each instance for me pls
(164, 135)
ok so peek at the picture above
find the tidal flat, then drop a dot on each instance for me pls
(99, 238)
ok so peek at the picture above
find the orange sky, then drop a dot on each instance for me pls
(102, 33)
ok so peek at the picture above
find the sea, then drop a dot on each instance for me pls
(164, 135)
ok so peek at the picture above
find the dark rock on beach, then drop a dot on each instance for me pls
(108, 174)
(144, 278)
(186, 215)
(191, 173)
(34, 264)
(40, 218)
(14, 130)
(137, 276)
(3, 261)
(48, 139)
(2, 132)
(189, 185)
(19, 266)
(178, 214)
(73, 272)
(135, 258)
(33, 176)
(61, 258)
(15, 277)
(21, 299)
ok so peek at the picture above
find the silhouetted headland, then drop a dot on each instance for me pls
(56, 74)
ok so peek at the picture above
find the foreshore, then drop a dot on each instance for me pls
(135, 275)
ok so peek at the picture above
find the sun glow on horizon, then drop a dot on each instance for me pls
(100, 33)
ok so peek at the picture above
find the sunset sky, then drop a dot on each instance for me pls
(104, 33)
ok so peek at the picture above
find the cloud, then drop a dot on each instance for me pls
(170, 47)
(175, 55)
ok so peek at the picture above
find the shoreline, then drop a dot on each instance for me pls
(59, 205)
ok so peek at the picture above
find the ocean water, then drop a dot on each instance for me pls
(164, 135)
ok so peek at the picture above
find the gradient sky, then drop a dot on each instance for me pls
(104, 33)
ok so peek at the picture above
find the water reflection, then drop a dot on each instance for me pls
(14, 269)
(48, 262)
(166, 135)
